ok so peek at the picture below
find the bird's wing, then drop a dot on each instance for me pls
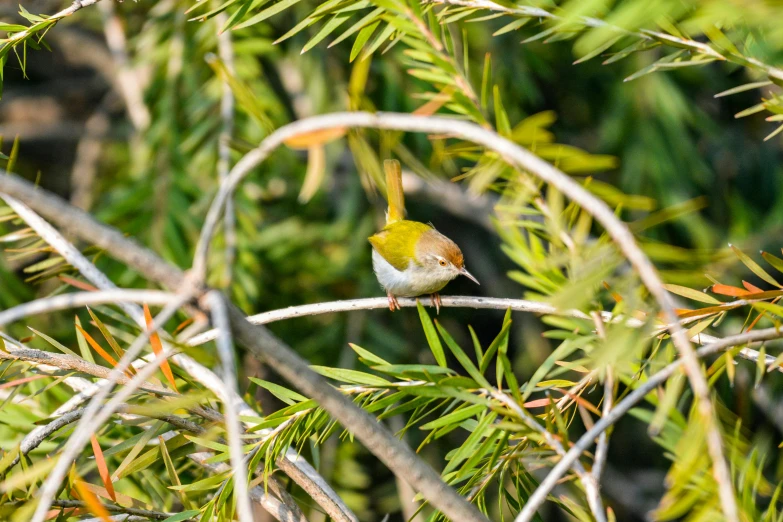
(396, 243)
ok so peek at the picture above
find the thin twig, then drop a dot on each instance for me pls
(524, 159)
(79, 299)
(603, 441)
(152, 515)
(585, 441)
(225, 346)
(127, 79)
(226, 53)
(492, 303)
(602, 447)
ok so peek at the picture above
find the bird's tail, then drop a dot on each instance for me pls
(394, 194)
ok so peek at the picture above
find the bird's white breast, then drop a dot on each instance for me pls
(411, 282)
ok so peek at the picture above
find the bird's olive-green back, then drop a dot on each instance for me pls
(396, 243)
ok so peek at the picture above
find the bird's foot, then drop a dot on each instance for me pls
(436, 302)
(393, 304)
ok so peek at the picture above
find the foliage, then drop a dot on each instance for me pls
(476, 401)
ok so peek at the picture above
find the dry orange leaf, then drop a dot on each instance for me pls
(320, 137)
(437, 101)
(77, 284)
(157, 347)
(97, 347)
(752, 288)
(103, 469)
(23, 380)
(538, 403)
(732, 291)
(93, 504)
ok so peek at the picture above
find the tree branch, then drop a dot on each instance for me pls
(225, 346)
(492, 303)
(79, 299)
(524, 159)
(226, 52)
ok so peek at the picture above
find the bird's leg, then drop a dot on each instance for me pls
(436, 302)
(392, 302)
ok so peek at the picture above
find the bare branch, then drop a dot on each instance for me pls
(78, 299)
(524, 159)
(127, 81)
(305, 476)
(146, 513)
(226, 52)
(602, 447)
(493, 303)
(621, 408)
(225, 348)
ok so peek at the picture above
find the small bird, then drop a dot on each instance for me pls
(411, 258)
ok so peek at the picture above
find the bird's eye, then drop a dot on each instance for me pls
(442, 262)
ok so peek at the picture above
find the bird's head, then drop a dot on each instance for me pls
(440, 255)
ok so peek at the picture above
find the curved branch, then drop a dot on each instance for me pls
(377, 303)
(453, 301)
(78, 299)
(524, 159)
(621, 408)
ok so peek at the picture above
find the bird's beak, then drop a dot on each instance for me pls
(469, 276)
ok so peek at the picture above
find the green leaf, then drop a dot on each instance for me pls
(754, 267)
(690, 293)
(776, 262)
(326, 30)
(462, 357)
(53, 342)
(83, 346)
(455, 417)
(350, 376)
(500, 340)
(432, 336)
(266, 13)
(367, 356)
(361, 39)
(284, 394)
(743, 88)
